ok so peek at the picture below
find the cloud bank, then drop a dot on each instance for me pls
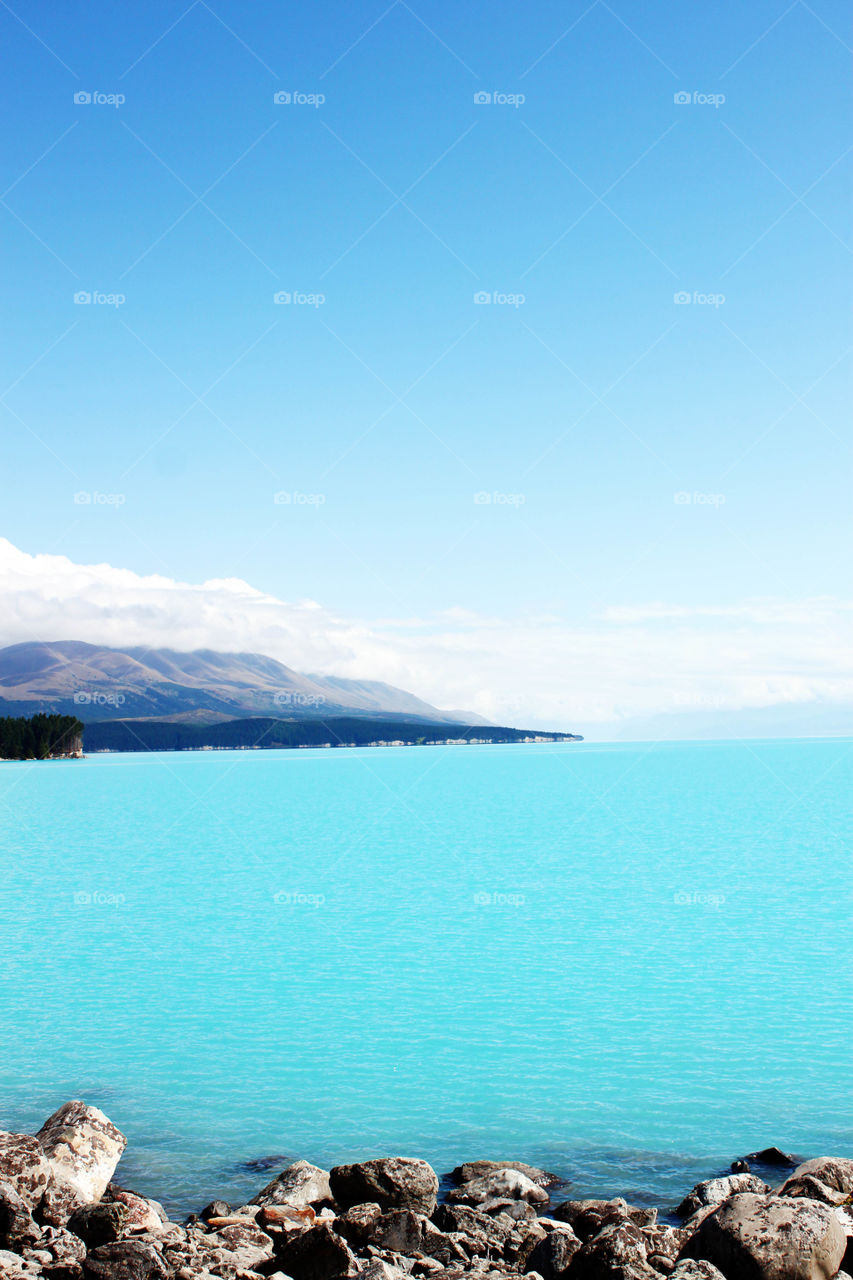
(535, 671)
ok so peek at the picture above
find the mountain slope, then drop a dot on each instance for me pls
(100, 683)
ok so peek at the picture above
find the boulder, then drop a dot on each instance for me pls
(617, 1252)
(551, 1257)
(300, 1184)
(61, 1254)
(396, 1182)
(588, 1217)
(24, 1167)
(126, 1260)
(499, 1185)
(691, 1269)
(216, 1209)
(17, 1225)
(82, 1148)
(771, 1155)
(716, 1190)
(378, 1270)
(317, 1254)
(484, 1233)
(831, 1171)
(14, 1268)
(754, 1237)
(474, 1169)
(143, 1214)
(98, 1224)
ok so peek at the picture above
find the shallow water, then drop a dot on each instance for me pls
(630, 963)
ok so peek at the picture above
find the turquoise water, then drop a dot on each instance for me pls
(631, 963)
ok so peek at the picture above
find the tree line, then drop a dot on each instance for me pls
(39, 737)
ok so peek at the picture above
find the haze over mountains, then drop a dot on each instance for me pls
(100, 683)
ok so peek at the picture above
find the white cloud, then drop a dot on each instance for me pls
(532, 671)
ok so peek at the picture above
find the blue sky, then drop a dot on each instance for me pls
(580, 412)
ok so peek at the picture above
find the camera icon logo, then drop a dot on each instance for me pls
(81, 98)
(681, 98)
(281, 298)
(82, 498)
(482, 298)
(482, 99)
(82, 698)
(681, 297)
(82, 899)
(82, 297)
(282, 98)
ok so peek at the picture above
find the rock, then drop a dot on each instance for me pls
(126, 1260)
(716, 1190)
(98, 1224)
(771, 1155)
(551, 1257)
(143, 1213)
(690, 1269)
(82, 1148)
(286, 1217)
(754, 1237)
(379, 1270)
(501, 1184)
(484, 1233)
(24, 1167)
(617, 1252)
(740, 1166)
(588, 1217)
(832, 1171)
(216, 1209)
(17, 1225)
(262, 1163)
(356, 1225)
(300, 1184)
(61, 1254)
(14, 1268)
(246, 1245)
(481, 1168)
(397, 1182)
(317, 1254)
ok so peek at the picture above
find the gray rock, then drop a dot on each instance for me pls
(379, 1270)
(751, 1237)
(317, 1254)
(552, 1256)
(143, 1213)
(82, 1148)
(98, 1224)
(300, 1184)
(716, 1190)
(617, 1252)
(484, 1233)
(588, 1217)
(24, 1166)
(60, 1253)
(396, 1182)
(216, 1209)
(474, 1169)
(499, 1185)
(691, 1269)
(13, 1267)
(832, 1171)
(127, 1260)
(17, 1225)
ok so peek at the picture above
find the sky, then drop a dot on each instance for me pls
(501, 352)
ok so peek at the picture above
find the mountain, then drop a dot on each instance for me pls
(780, 720)
(99, 683)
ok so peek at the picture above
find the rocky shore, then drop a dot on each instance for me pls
(63, 1218)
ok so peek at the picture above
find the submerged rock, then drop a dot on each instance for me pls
(398, 1182)
(754, 1237)
(771, 1155)
(82, 1148)
(474, 1169)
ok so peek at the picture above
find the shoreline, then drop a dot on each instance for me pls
(63, 1216)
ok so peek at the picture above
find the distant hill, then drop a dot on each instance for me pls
(266, 733)
(99, 683)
